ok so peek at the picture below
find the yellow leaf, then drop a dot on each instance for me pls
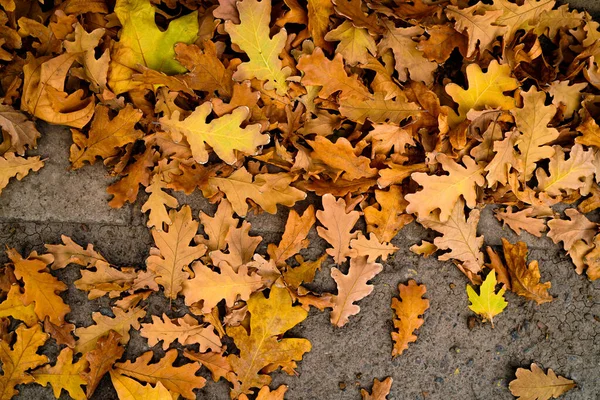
(186, 330)
(337, 226)
(387, 215)
(121, 324)
(129, 389)
(12, 166)
(486, 90)
(217, 226)
(223, 134)
(40, 287)
(487, 303)
(181, 380)
(22, 357)
(294, 236)
(566, 175)
(355, 43)
(481, 28)
(14, 306)
(269, 319)
(72, 253)
(319, 12)
(352, 287)
(372, 248)
(443, 192)
(63, 375)
(252, 37)
(142, 42)
(265, 393)
(521, 16)
(173, 251)
(212, 287)
(525, 280)
(408, 308)
(534, 384)
(157, 204)
(532, 121)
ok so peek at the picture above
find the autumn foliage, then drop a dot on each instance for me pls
(380, 114)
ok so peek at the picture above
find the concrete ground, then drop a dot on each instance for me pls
(449, 361)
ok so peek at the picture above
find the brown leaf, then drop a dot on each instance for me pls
(381, 390)
(408, 309)
(443, 39)
(534, 384)
(387, 216)
(525, 280)
(337, 225)
(578, 227)
(101, 359)
(294, 236)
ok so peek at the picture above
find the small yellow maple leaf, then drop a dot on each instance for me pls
(487, 303)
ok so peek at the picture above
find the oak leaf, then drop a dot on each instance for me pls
(443, 192)
(17, 131)
(372, 248)
(534, 384)
(216, 363)
(240, 247)
(304, 272)
(251, 35)
(173, 252)
(181, 379)
(14, 306)
(442, 41)
(567, 95)
(589, 129)
(521, 16)
(265, 393)
(337, 226)
(157, 204)
(319, 12)
(269, 318)
(12, 166)
(105, 280)
(294, 237)
(186, 330)
(65, 374)
(521, 220)
(352, 287)
(16, 361)
(380, 391)
(101, 358)
(378, 109)
(525, 280)
(129, 389)
(566, 175)
(142, 42)
(480, 28)
(497, 265)
(223, 134)
(341, 158)
(578, 227)
(506, 157)
(212, 287)
(72, 253)
(93, 70)
(105, 136)
(408, 308)
(120, 324)
(136, 174)
(355, 43)
(487, 303)
(384, 137)
(206, 71)
(352, 9)
(387, 216)
(39, 286)
(486, 90)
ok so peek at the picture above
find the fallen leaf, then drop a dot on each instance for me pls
(534, 384)
(407, 308)
(487, 303)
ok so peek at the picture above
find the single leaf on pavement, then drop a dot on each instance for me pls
(534, 384)
(487, 303)
(380, 391)
(12, 166)
(408, 308)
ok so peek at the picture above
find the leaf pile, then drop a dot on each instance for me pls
(381, 113)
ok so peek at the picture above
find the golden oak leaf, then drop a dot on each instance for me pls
(331, 76)
(267, 190)
(44, 96)
(206, 71)
(506, 157)
(106, 135)
(121, 323)
(378, 109)
(442, 41)
(319, 12)
(579, 253)
(47, 43)
(567, 95)
(14, 306)
(384, 137)
(578, 227)
(589, 129)
(459, 236)
(304, 272)
(212, 287)
(387, 216)
(424, 249)
(142, 42)
(136, 174)
(173, 252)
(216, 363)
(294, 236)
(224, 134)
(181, 380)
(355, 43)
(551, 22)
(397, 173)
(251, 35)
(534, 384)
(383, 80)
(39, 286)
(269, 319)
(352, 9)
(525, 280)
(372, 248)
(381, 389)
(186, 330)
(532, 121)
(157, 204)
(129, 389)
(352, 287)
(16, 361)
(410, 61)
(480, 28)
(487, 303)
(101, 357)
(265, 393)
(337, 226)
(94, 70)
(105, 280)
(72, 253)
(522, 220)
(341, 158)
(408, 308)
(217, 226)
(591, 203)
(12, 166)
(521, 16)
(486, 90)
(65, 374)
(443, 192)
(566, 175)
(17, 131)
(240, 246)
